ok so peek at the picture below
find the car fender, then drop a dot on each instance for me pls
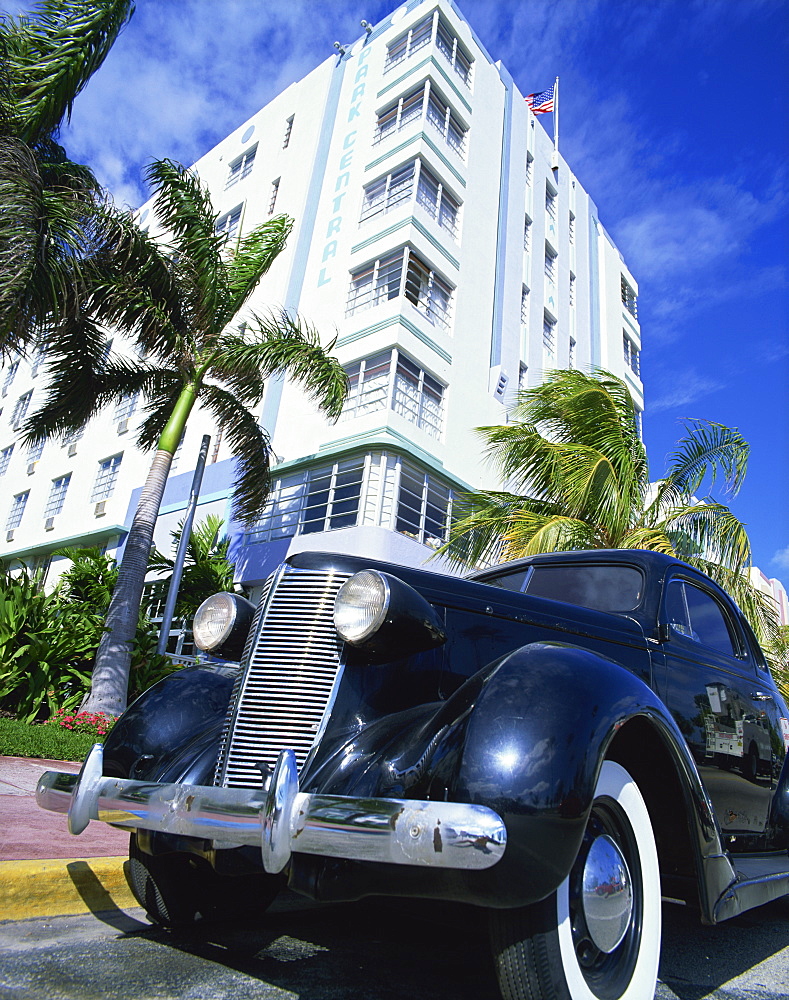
(531, 748)
(172, 729)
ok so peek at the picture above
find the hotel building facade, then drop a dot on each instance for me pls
(444, 243)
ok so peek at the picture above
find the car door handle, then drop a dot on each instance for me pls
(761, 696)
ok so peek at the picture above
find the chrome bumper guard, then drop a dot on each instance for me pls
(280, 819)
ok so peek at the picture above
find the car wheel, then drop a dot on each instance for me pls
(598, 936)
(175, 889)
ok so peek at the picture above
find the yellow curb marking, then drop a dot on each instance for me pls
(61, 887)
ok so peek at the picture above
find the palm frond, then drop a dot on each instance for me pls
(182, 204)
(291, 346)
(81, 388)
(708, 530)
(132, 285)
(250, 446)
(52, 55)
(707, 449)
(255, 254)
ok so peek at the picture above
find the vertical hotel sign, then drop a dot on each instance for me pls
(342, 178)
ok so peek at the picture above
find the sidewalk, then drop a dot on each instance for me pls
(44, 870)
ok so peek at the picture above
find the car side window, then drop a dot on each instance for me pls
(707, 620)
(677, 609)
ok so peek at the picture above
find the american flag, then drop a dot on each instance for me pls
(541, 103)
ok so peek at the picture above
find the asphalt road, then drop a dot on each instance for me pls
(367, 951)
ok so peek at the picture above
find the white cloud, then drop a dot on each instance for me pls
(781, 558)
(682, 389)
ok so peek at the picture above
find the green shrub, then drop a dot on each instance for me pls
(23, 739)
(48, 641)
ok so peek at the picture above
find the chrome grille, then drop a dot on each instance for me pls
(284, 690)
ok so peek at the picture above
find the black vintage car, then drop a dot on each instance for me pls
(562, 740)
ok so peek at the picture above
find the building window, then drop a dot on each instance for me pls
(332, 498)
(35, 451)
(9, 377)
(273, 196)
(229, 222)
(550, 263)
(71, 437)
(549, 334)
(436, 201)
(20, 409)
(571, 354)
(527, 233)
(639, 417)
(5, 458)
(571, 229)
(288, 132)
(241, 167)
(423, 100)
(452, 50)
(629, 299)
(106, 478)
(523, 377)
(417, 37)
(418, 397)
(378, 488)
(420, 35)
(423, 506)
(401, 273)
(57, 496)
(572, 289)
(388, 192)
(17, 510)
(396, 188)
(36, 361)
(524, 306)
(632, 355)
(529, 169)
(391, 380)
(550, 202)
(126, 407)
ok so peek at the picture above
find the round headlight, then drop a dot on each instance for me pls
(361, 605)
(213, 621)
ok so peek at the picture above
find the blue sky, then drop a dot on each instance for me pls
(673, 117)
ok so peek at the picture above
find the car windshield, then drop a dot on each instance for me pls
(615, 589)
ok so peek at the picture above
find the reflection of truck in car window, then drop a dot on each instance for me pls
(734, 732)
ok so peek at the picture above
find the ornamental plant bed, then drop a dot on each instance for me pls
(67, 736)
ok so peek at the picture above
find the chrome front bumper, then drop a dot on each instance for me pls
(280, 819)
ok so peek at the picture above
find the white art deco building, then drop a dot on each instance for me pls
(451, 251)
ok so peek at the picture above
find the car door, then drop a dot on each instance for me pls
(713, 692)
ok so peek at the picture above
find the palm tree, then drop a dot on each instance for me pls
(579, 477)
(52, 208)
(207, 569)
(178, 299)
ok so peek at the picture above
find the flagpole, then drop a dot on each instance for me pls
(556, 115)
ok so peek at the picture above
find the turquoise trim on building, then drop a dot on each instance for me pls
(84, 539)
(351, 338)
(629, 320)
(497, 322)
(637, 386)
(171, 508)
(594, 293)
(273, 396)
(409, 142)
(421, 65)
(404, 223)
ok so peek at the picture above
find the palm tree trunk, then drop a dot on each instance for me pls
(110, 681)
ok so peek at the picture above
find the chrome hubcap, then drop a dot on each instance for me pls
(607, 894)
